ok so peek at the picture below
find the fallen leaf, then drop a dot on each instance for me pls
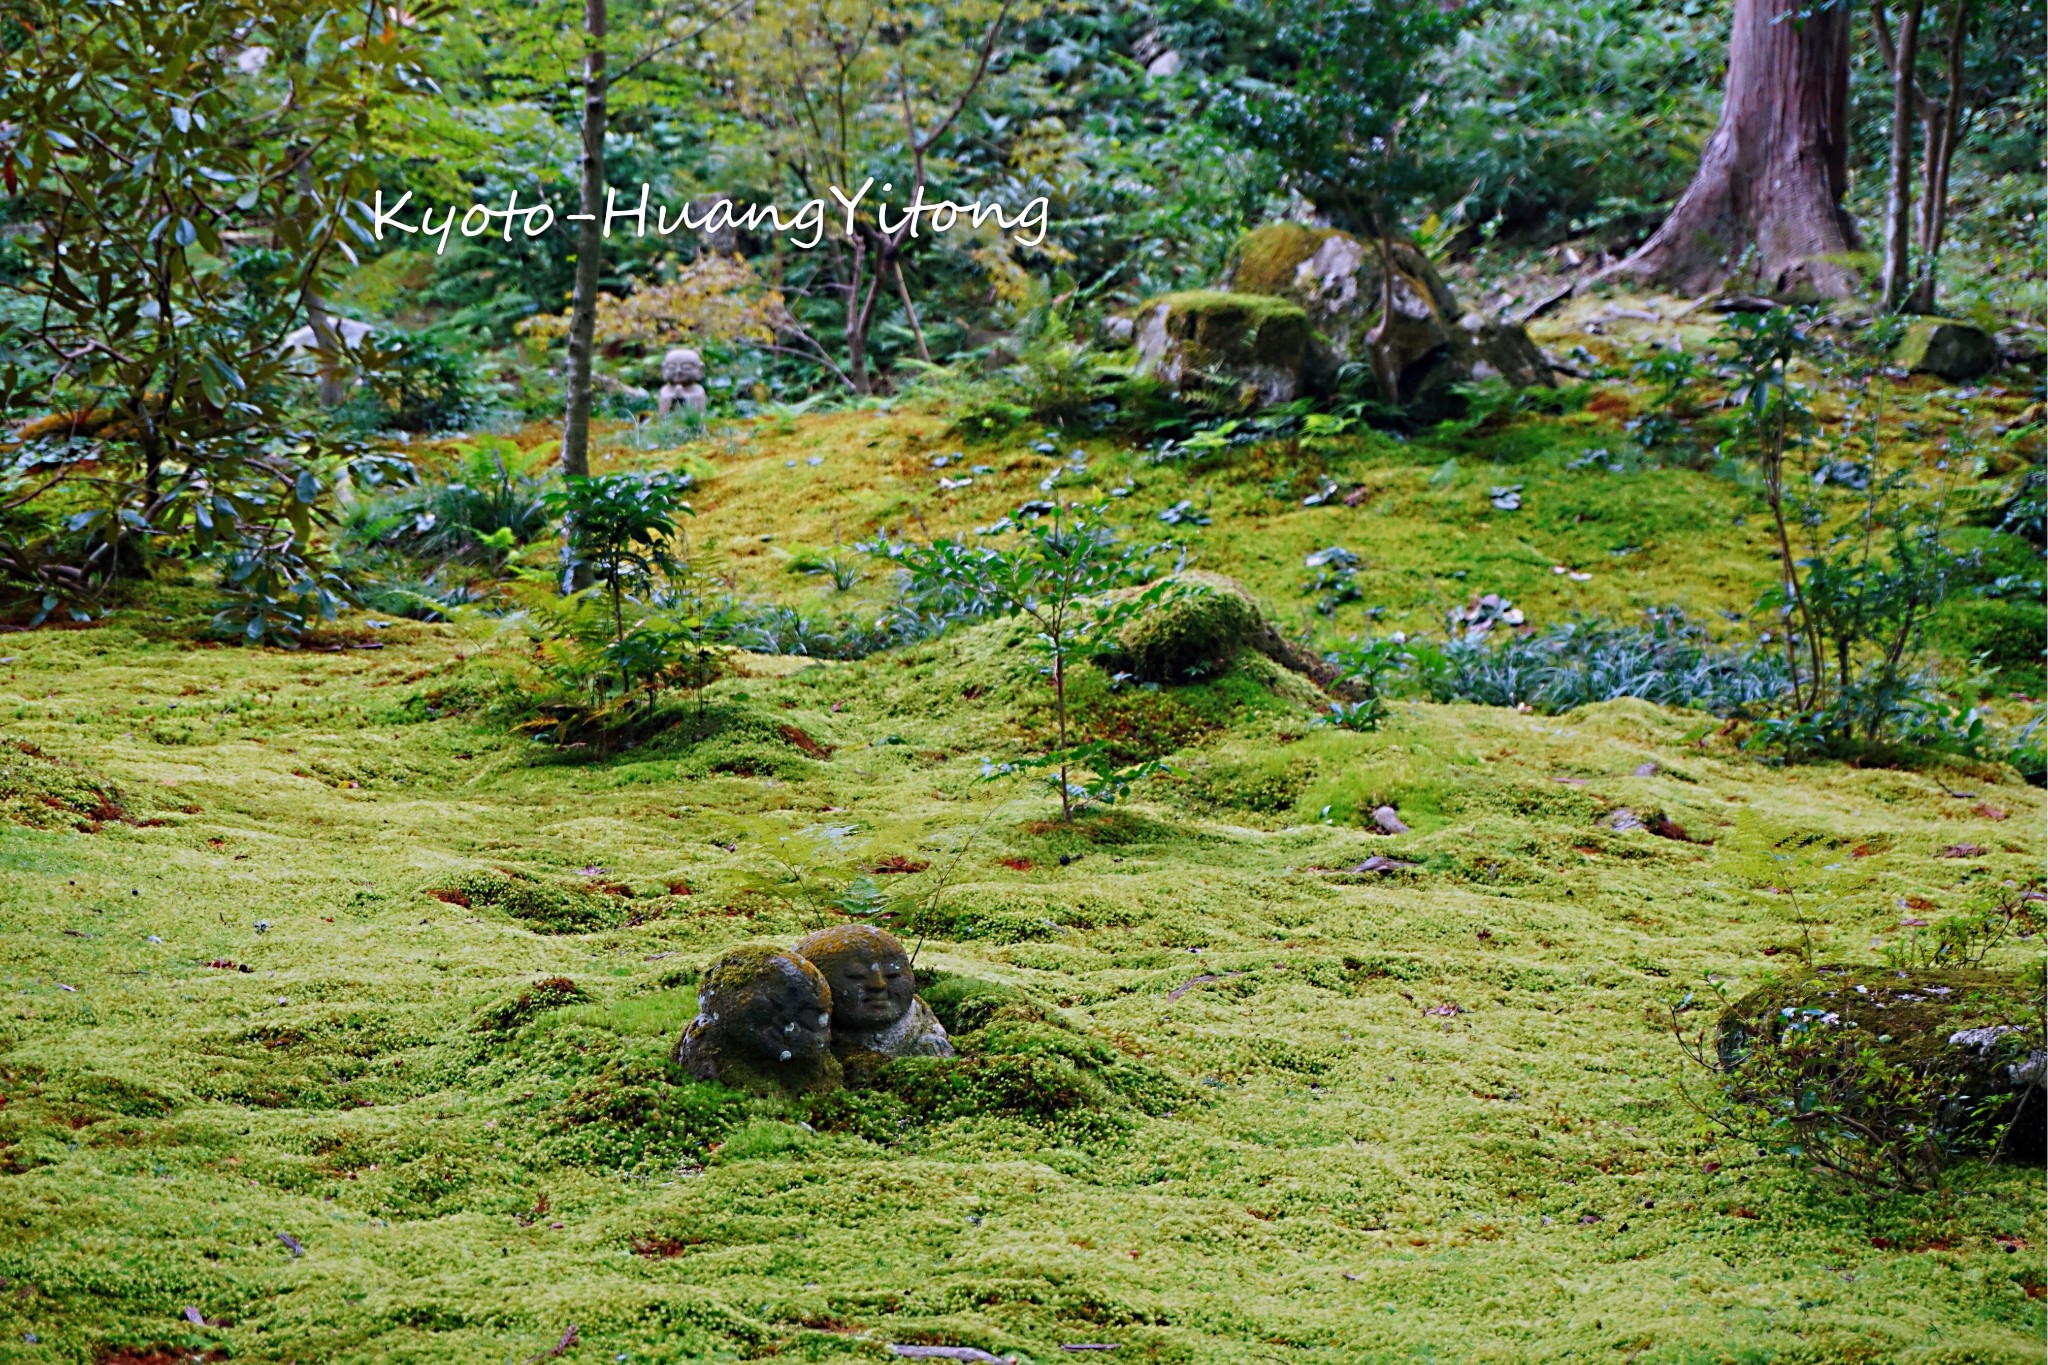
(1383, 866)
(1962, 851)
(1989, 811)
(292, 1244)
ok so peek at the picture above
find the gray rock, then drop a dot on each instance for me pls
(1213, 339)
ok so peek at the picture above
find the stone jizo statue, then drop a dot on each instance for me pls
(764, 1023)
(682, 380)
(876, 1014)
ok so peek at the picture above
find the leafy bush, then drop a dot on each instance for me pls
(271, 592)
(413, 383)
(1566, 118)
(492, 504)
(1667, 660)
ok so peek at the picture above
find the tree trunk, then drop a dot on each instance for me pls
(1944, 126)
(589, 245)
(1898, 208)
(1773, 173)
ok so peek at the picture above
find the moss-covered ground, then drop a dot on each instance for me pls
(336, 1019)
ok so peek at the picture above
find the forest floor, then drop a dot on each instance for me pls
(271, 1090)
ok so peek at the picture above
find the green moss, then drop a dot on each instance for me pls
(1263, 261)
(2004, 634)
(550, 909)
(1197, 630)
(43, 791)
(1265, 1068)
(1225, 329)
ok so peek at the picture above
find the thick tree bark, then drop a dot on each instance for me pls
(1773, 173)
(1898, 209)
(589, 245)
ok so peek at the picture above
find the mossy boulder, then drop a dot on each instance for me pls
(1203, 624)
(1945, 347)
(1425, 345)
(764, 1024)
(1957, 1048)
(1205, 339)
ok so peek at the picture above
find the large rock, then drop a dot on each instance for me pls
(1206, 339)
(1427, 345)
(1942, 346)
(1955, 1047)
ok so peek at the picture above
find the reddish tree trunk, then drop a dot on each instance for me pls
(1773, 173)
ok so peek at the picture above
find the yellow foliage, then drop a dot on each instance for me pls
(714, 298)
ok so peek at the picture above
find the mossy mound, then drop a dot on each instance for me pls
(548, 993)
(1204, 623)
(42, 791)
(1973, 1038)
(550, 909)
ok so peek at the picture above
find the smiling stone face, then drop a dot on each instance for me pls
(876, 1014)
(868, 971)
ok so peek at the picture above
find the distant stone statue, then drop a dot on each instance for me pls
(876, 1014)
(682, 380)
(764, 1023)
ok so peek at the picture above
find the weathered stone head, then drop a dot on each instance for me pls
(764, 1022)
(868, 972)
(876, 1014)
(682, 365)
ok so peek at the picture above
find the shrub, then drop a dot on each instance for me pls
(415, 383)
(1883, 1076)
(1667, 660)
(492, 504)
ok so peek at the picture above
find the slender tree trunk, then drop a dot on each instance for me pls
(1773, 173)
(1898, 209)
(910, 309)
(589, 245)
(1941, 145)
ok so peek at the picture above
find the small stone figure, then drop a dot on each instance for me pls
(682, 380)
(764, 1023)
(876, 1014)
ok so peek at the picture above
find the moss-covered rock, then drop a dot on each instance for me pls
(764, 1024)
(1419, 350)
(1257, 344)
(1203, 624)
(1942, 346)
(1894, 1051)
